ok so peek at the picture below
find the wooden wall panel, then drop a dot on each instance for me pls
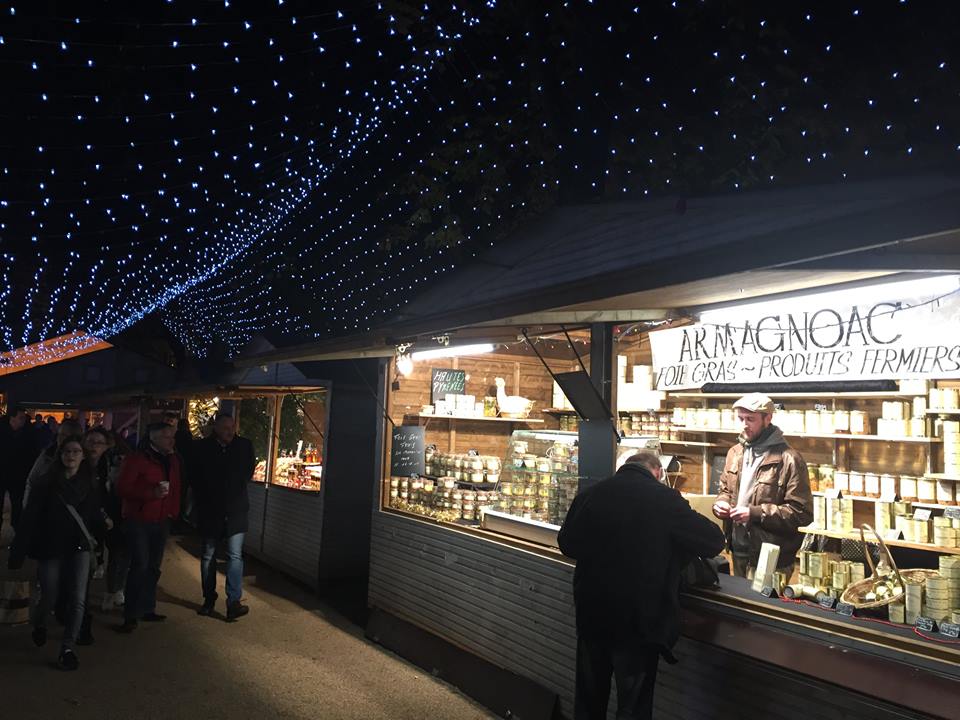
(462, 435)
(515, 609)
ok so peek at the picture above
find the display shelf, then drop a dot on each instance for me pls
(826, 436)
(942, 476)
(692, 443)
(803, 395)
(932, 506)
(557, 473)
(943, 411)
(473, 418)
(893, 543)
(560, 411)
(859, 498)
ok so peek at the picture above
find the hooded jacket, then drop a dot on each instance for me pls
(780, 501)
(631, 536)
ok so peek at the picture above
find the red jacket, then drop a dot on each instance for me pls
(142, 471)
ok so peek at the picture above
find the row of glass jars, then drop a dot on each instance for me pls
(909, 488)
(819, 422)
(463, 467)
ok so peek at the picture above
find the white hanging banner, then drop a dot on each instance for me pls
(893, 331)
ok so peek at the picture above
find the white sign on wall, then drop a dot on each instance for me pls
(881, 332)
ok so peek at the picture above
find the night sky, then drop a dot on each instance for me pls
(224, 168)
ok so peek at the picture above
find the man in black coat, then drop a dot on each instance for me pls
(631, 537)
(18, 450)
(222, 465)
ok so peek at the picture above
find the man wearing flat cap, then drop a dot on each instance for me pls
(764, 490)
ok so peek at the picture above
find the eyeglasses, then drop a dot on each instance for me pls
(71, 452)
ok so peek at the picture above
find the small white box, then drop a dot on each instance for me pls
(766, 566)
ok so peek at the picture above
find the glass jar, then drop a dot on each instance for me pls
(826, 477)
(841, 481)
(908, 488)
(813, 472)
(856, 483)
(871, 485)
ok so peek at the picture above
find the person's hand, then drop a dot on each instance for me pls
(740, 514)
(721, 508)
(161, 490)
(109, 523)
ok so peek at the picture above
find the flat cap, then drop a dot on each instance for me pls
(755, 402)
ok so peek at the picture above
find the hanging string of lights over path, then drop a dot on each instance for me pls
(309, 168)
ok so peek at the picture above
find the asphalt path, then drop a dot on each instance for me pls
(291, 657)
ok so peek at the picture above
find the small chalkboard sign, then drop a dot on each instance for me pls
(826, 602)
(952, 512)
(845, 609)
(950, 629)
(444, 382)
(406, 451)
(926, 624)
(768, 591)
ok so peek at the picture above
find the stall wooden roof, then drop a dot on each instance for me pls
(631, 261)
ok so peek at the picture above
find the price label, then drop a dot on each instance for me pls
(845, 609)
(950, 629)
(921, 514)
(892, 534)
(926, 624)
(826, 602)
(952, 513)
(768, 591)
(472, 453)
(832, 493)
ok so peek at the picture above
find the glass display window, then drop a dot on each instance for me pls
(301, 441)
(255, 420)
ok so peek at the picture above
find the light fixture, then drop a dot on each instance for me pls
(456, 350)
(404, 365)
(916, 290)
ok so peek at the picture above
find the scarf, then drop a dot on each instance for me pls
(753, 452)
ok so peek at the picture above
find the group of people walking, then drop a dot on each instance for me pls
(88, 492)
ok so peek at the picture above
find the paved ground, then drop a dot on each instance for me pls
(291, 657)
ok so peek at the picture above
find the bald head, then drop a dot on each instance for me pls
(647, 459)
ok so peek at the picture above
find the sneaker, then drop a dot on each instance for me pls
(153, 617)
(236, 610)
(68, 660)
(128, 626)
(85, 636)
(39, 636)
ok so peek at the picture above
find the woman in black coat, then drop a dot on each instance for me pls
(50, 534)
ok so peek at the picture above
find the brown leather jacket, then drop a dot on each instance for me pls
(780, 503)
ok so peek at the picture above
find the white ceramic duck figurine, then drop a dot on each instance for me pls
(511, 405)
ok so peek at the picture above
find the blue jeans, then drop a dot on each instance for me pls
(70, 573)
(208, 568)
(145, 542)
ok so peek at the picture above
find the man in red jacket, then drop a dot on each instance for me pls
(149, 490)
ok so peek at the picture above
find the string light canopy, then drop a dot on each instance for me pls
(308, 167)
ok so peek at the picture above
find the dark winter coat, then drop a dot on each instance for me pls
(219, 475)
(631, 536)
(18, 451)
(47, 529)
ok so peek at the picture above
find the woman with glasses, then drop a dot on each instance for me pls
(57, 528)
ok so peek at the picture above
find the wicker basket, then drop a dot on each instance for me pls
(855, 593)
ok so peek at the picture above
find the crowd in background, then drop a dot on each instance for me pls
(87, 501)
